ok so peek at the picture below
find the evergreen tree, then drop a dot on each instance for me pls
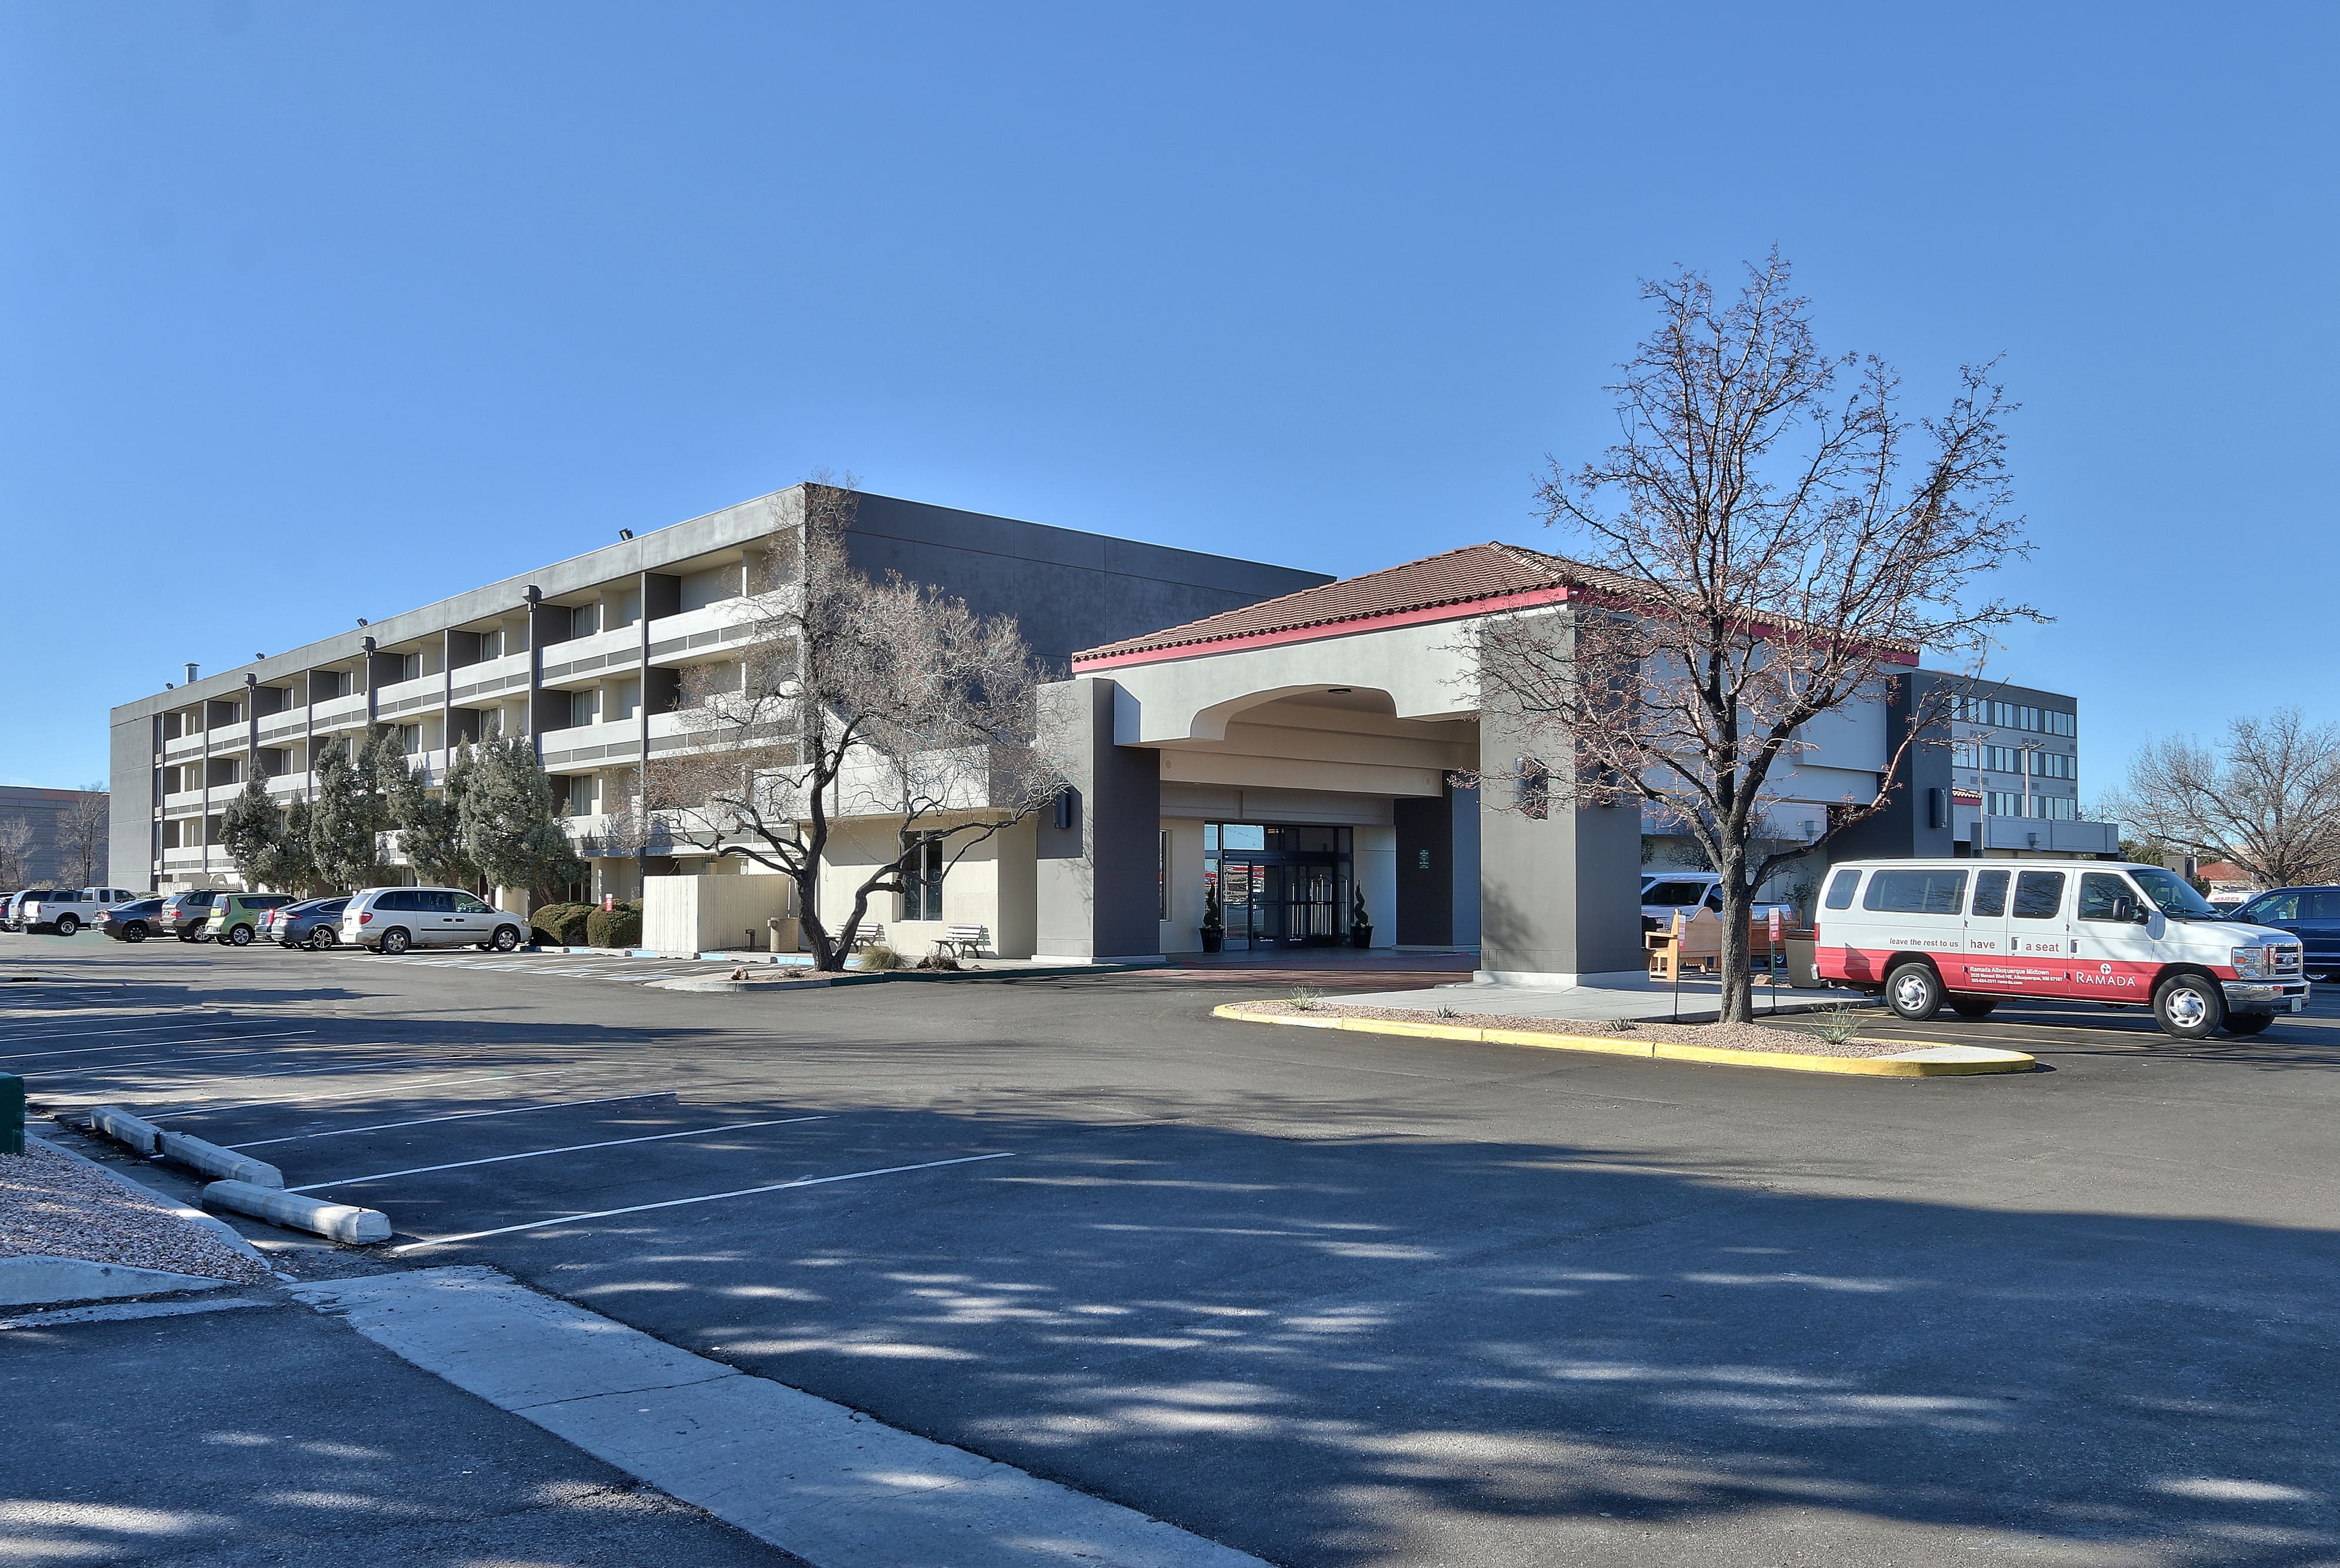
(431, 826)
(344, 822)
(510, 830)
(292, 865)
(249, 831)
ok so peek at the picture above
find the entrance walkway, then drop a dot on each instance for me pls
(1324, 967)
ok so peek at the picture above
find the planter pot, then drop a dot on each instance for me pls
(1213, 939)
(1361, 936)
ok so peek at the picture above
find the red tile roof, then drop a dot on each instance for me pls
(1471, 575)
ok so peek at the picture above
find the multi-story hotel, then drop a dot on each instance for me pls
(587, 656)
(1300, 745)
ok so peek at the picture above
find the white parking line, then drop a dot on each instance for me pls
(160, 1044)
(353, 1094)
(456, 1117)
(178, 1023)
(540, 1153)
(360, 1064)
(708, 1197)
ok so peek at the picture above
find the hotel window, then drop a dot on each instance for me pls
(922, 878)
(2002, 803)
(1963, 754)
(2061, 808)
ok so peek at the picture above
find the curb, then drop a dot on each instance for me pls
(1905, 1067)
(44, 1279)
(816, 979)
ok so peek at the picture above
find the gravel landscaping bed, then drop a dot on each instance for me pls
(62, 1208)
(1721, 1036)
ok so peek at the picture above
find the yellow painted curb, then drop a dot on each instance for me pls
(1778, 1061)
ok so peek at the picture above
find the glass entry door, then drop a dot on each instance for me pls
(1279, 887)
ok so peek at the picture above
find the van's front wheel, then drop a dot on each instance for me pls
(2189, 1006)
(1914, 992)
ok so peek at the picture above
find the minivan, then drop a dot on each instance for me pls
(1970, 933)
(393, 919)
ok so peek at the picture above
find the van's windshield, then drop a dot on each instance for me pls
(2175, 894)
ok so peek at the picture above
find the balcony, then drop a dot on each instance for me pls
(472, 684)
(340, 713)
(428, 691)
(183, 747)
(2050, 836)
(184, 803)
(582, 658)
(594, 745)
(684, 638)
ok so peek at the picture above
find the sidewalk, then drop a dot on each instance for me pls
(1697, 1000)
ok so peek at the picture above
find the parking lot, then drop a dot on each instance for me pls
(1340, 1298)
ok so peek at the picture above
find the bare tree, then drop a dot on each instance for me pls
(15, 853)
(83, 829)
(1769, 541)
(2268, 799)
(853, 701)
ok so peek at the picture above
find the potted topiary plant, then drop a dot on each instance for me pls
(1215, 925)
(1361, 924)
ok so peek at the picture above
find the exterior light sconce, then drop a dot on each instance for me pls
(624, 534)
(1532, 789)
(1063, 808)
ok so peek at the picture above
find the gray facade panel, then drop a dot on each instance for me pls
(131, 829)
(1095, 873)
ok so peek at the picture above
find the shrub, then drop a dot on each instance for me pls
(618, 928)
(939, 961)
(879, 956)
(562, 925)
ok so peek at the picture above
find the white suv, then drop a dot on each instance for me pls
(393, 919)
(66, 911)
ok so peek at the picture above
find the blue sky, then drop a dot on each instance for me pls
(323, 311)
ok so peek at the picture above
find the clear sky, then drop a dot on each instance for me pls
(319, 312)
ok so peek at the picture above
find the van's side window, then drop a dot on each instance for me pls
(2100, 890)
(1841, 887)
(2038, 894)
(2273, 909)
(1990, 893)
(1917, 892)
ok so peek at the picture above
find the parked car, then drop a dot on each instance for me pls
(1970, 933)
(66, 910)
(132, 922)
(393, 919)
(186, 914)
(316, 923)
(2310, 914)
(8, 908)
(235, 916)
(1663, 892)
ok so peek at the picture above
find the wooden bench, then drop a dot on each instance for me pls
(964, 941)
(868, 935)
(1701, 946)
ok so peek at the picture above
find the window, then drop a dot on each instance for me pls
(492, 645)
(1965, 754)
(2099, 891)
(922, 880)
(2002, 759)
(1840, 893)
(2061, 723)
(2273, 909)
(1990, 893)
(1917, 892)
(2038, 894)
(467, 905)
(2323, 905)
(2060, 808)
(2054, 765)
(1673, 895)
(2002, 803)
(585, 620)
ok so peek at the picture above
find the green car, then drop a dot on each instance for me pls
(235, 916)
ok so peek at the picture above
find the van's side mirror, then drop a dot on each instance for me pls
(2125, 911)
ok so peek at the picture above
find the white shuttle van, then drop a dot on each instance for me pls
(1971, 932)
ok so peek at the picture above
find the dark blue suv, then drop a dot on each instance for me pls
(2311, 914)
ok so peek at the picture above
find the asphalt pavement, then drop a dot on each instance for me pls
(1339, 1298)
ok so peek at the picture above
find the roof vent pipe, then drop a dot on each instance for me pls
(191, 675)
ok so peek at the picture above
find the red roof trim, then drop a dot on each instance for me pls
(1325, 629)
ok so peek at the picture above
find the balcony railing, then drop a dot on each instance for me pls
(594, 745)
(2052, 834)
(680, 639)
(472, 684)
(619, 648)
(427, 691)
